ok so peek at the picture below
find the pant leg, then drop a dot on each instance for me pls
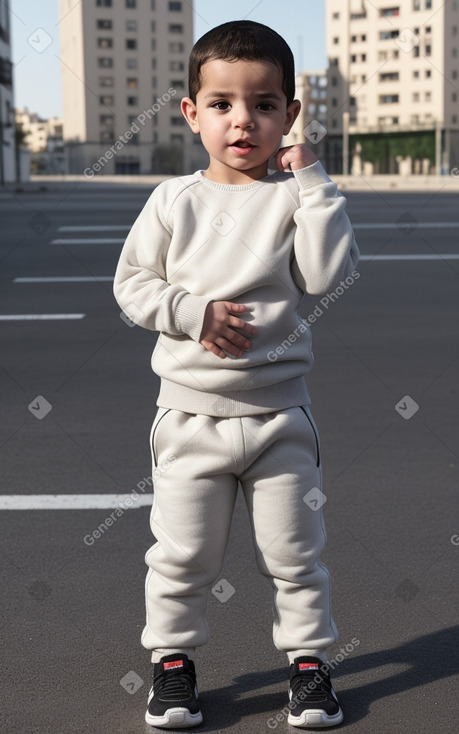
(194, 496)
(282, 489)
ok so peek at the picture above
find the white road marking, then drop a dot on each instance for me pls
(66, 279)
(406, 225)
(438, 256)
(41, 316)
(96, 228)
(99, 241)
(73, 501)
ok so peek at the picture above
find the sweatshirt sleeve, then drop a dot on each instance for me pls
(325, 250)
(140, 285)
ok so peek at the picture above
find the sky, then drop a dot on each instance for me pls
(35, 40)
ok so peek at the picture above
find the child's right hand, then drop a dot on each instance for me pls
(218, 330)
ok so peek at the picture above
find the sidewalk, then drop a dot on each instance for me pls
(447, 183)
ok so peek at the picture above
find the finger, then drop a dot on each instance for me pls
(283, 158)
(231, 347)
(211, 347)
(243, 326)
(238, 307)
(238, 340)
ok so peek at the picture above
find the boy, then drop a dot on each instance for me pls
(218, 263)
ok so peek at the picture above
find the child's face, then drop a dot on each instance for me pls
(241, 113)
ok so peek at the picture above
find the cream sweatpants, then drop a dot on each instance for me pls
(198, 461)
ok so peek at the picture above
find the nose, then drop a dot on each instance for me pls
(242, 117)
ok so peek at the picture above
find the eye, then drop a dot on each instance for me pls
(265, 106)
(220, 105)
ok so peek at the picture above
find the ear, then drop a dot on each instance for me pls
(190, 113)
(293, 110)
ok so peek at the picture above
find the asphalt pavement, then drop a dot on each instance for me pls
(78, 399)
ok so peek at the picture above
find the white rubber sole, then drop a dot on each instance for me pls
(315, 719)
(174, 718)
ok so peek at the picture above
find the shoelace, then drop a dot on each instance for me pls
(174, 686)
(316, 691)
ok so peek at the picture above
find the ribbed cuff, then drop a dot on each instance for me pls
(189, 315)
(312, 176)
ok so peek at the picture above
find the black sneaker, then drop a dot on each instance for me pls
(173, 699)
(313, 702)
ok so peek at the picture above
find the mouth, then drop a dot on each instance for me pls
(242, 147)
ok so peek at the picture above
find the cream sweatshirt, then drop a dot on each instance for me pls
(264, 244)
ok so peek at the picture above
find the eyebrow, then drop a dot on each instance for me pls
(259, 95)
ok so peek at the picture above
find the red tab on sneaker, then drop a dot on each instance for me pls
(308, 666)
(173, 664)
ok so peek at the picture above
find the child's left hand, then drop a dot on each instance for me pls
(294, 157)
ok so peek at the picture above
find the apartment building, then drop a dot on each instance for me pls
(7, 136)
(44, 141)
(393, 83)
(124, 72)
(310, 125)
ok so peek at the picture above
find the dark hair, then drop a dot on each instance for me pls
(242, 39)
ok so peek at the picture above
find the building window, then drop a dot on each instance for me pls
(131, 3)
(428, 73)
(175, 28)
(428, 4)
(106, 81)
(454, 97)
(176, 66)
(153, 4)
(177, 121)
(388, 98)
(454, 74)
(428, 30)
(131, 63)
(336, 39)
(104, 3)
(390, 12)
(153, 63)
(154, 82)
(153, 26)
(454, 119)
(131, 25)
(428, 96)
(334, 81)
(363, 57)
(104, 25)
(334, 102)
(107, 99)
(382, 55)
(353, 58)
(336, 16)
(353, 39)
(386, 35)
(153, 44)
(415, 96)
(416, 4)
(175, 6)
(132, 101)
(428, 49)
(175, 47)
(104, 63)
(389, 76)
(131, 44)
(132, 83)
(334, 62)
(416, 74)
(105, 43)
(106, 120)
(363, 37)
(416, 52)
(177, 139)
(177, 84)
